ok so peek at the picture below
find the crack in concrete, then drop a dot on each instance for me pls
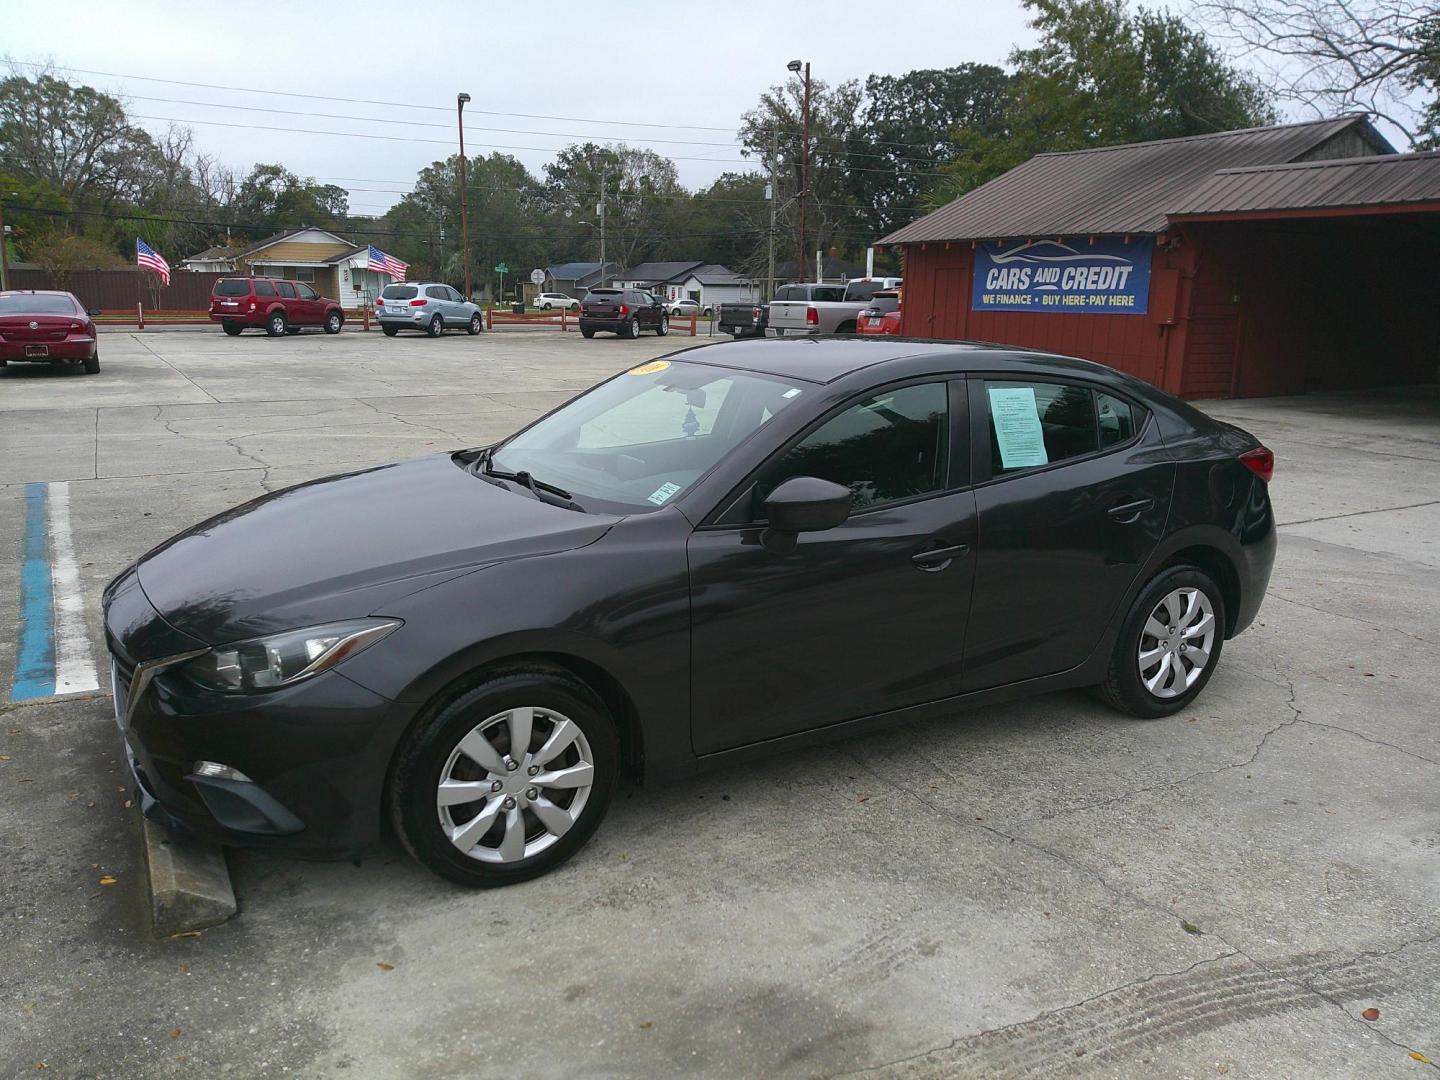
(1359, 513)
(1273, 595)
(173, 368)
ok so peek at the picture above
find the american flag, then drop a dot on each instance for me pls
(387, 264)
(147, 257)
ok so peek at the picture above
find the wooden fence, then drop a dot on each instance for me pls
(115, 290)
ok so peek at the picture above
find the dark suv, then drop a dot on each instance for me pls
(623, 311)
(275, 305)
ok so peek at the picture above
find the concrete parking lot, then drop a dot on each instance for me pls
(1038, 888)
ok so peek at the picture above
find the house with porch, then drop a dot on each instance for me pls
(330, 264)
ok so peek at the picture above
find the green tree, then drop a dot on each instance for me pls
(272, 198)
(1099, 76)
(728, 223)
(644, 202)
(772, 132)
(908, 128)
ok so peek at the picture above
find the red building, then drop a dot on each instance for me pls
(1244, 263)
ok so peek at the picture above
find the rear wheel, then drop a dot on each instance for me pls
(389, 331)
(507, 780)
(632, 328)
(92, 364)
(276, 326)
(333, 322)
(436, 327)
(476, 324)
(587, 332)
(233, 329)
(545, 307)
(664, 327)
(845, 328)
(1169, 645)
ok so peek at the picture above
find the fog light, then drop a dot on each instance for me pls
(216, 771)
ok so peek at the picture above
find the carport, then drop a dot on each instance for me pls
(1314, 276)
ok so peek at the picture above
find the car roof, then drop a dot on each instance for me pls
(828, 359)
(37, 292)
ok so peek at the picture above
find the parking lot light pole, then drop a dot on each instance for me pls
(796, 66)
(460, 100)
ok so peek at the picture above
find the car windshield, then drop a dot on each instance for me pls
(232, 287)
(399, 292)
(35, 304)
(635, 442)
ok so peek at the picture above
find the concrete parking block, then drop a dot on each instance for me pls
(189, 882)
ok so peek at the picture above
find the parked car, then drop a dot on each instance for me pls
(824, 309)
(623, 311)
(47, 327)
(690, 307)
(744, 319)
(717, 555)
(428, 306)
(276, 305)
(545, 301)
(882, 316)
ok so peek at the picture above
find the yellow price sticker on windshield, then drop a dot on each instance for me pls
(650, 368)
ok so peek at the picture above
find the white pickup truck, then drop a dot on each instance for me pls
(823, 309)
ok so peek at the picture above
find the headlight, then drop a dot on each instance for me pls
(281, 659)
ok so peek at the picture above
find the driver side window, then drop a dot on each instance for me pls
(889, 447)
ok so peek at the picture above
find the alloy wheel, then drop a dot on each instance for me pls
(515, 785)
(1176, 642)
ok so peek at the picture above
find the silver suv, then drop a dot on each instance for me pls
(430, 306)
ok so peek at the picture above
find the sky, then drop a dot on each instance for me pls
(595, 70)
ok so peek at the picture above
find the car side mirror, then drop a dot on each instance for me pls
(803, 504)
(93, 311)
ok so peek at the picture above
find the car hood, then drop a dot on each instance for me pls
(344, 546)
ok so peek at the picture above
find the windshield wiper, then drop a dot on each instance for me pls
(557, 496)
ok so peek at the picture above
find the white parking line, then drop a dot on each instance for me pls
(74, 665)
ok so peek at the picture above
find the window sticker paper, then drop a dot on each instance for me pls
(1017, 427)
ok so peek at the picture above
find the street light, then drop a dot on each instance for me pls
(460, 100)
(796, 66)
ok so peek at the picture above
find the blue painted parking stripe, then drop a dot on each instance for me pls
(35, 660)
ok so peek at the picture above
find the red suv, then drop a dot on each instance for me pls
(274, 304)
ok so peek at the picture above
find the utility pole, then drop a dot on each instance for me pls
(795, 66)
(601, 211)
(3, 275)
(460, 100)
(770, 194)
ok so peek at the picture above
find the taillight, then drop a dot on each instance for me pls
(755, 313)
(417, 303)
(1260, 461)
(812, 316)
(252, 305)
(624, 309)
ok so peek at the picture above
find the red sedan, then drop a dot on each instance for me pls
(882, 316)
(46, 328)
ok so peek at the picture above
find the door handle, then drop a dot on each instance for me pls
(926, 559)
(1129, 513)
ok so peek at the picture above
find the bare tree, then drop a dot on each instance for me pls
(1376, 56)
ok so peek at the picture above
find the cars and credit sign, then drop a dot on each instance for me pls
(1076, 276)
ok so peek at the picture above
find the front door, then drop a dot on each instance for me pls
(860, 619)
(1073, 494)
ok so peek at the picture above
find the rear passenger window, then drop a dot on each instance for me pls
(1117, 420)
(264, 288)
(286, 289)
(1035, 423)
(437, 292)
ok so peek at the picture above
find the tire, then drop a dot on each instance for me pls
(708, 313)
(276, 325)
(664, 327)
(292, 330)
(476, 324)
(632, 328)
(586, 332)
(483, 718)
(544, 307)
(389, 331)
(92, 364)
(845, 328)
(333, 322)
(574, 307)
(233, 329)
(1191, 602)
(436, 327)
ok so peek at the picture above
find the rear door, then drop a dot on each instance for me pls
(439, 297)
(296, 312)
(1073, 489)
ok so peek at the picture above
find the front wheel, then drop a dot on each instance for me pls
(1169, 645)
(333, 322)
(664, 327)
(476, 325)
(436, 327)
(507, 780)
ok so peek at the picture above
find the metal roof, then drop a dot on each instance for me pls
(1114, 189)
(658, 271)
(1391, 179)
(573, 271)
